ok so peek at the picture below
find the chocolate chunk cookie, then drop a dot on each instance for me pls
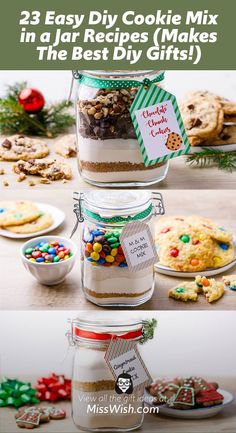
(19, 147)
(66, 146)
(203, 116)
(47, 168)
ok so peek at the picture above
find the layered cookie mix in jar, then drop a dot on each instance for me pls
(108, 149)
(107, 280)
(103, 400)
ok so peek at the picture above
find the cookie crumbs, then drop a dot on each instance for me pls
(21, 177)
(31, 183)
(45, 181)
(64, 181)
(5, 183)
(2, 171)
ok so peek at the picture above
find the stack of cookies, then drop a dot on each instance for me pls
(209, 119)
(193, 243)
(23, 217)
(185, 393)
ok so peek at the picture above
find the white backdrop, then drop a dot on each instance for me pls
(34, 343)
(55, 85)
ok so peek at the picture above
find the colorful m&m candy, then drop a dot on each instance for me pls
(48, 252)
(102, 247)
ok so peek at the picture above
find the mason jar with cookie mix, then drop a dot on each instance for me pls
(96, 404)
(108, 149)
(106, 278)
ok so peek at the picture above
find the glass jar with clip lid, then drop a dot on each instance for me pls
(108, 149)
(107, 280)
(100, 402)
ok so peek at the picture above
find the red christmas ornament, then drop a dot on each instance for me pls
(31, 100)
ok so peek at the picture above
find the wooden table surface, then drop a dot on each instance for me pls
(224, 422)
(180, 176)
(19, 290)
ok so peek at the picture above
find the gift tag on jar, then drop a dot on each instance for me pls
(158, 125)
(127, 366)
(138, 246)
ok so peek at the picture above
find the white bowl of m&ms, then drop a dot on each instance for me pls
(49, 258)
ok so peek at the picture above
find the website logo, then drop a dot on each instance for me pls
(124, 384)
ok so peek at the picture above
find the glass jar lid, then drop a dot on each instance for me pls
(116, 202)
(121, 74)
(100, 327)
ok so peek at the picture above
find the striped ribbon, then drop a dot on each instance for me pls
(119, 219)
(108, 83)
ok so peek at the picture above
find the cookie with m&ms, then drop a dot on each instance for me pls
(210, 227)
(186, 250)
(165, 224)
(184, 292)
(230, 281)
(223, 253)
(17, 212)
(212, 289)
(42, 222)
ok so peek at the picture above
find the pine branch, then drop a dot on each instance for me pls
(213, 157)
(49, 122)
(149, 327)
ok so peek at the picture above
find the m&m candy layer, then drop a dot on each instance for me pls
(102, 247)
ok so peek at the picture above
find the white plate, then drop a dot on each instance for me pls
(223, 148)
(209, 272)
(57, 215)
(205, 412)
(206, 273)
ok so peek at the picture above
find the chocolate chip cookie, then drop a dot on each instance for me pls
(203, 116)
(19, 147)
(66, 146)
(47, 168)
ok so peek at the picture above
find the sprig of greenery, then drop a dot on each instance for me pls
(49, 122)
(149, 327)
(213, 157)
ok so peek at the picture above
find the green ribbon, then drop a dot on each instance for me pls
(107, 83)
(119, 219)
(15, 393)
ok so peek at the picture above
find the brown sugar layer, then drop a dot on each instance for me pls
(101, 385)
(115, 295)
(104, 167)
